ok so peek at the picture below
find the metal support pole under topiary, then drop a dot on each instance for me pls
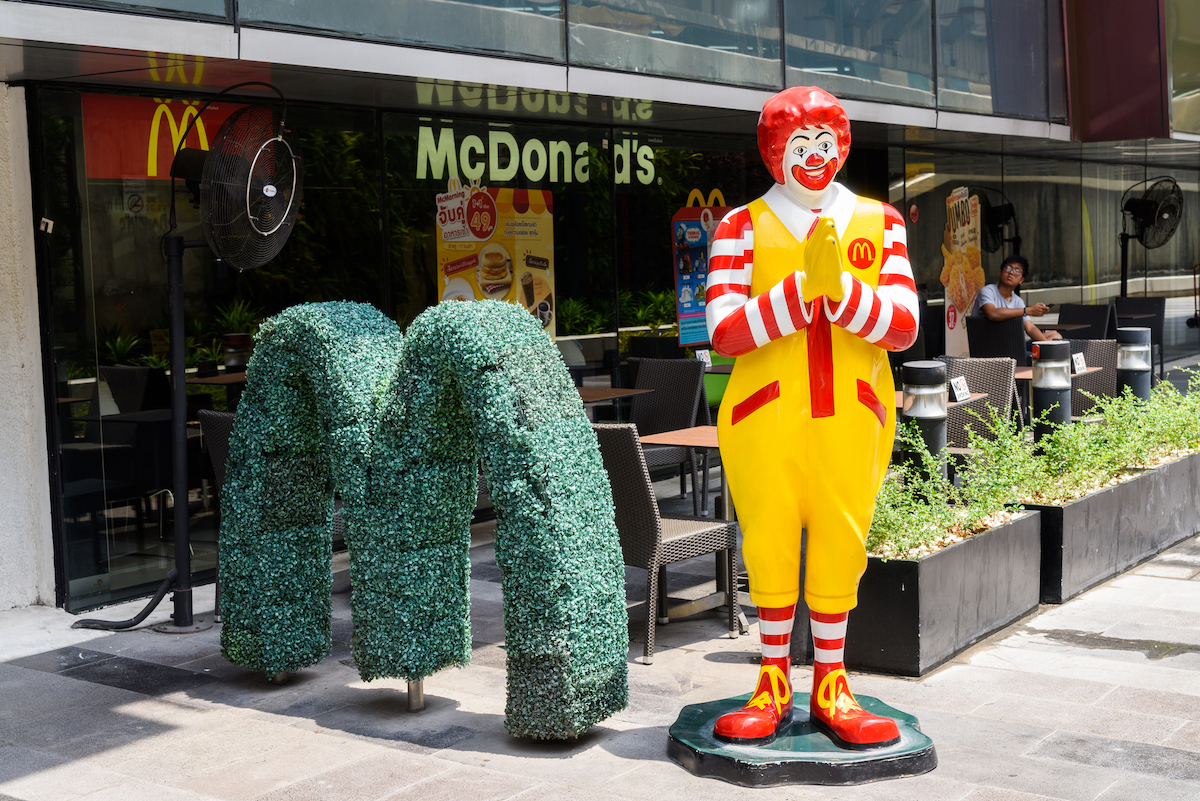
(338, 400)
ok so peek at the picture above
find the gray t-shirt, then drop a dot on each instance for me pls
(991, 294)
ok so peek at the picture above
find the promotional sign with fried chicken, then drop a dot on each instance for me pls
(497, 244)
(962, 268)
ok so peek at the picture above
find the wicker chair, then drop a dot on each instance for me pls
(678, 386)
(1103, 383)
(1097, 318)
(991, 375)
(650, 541)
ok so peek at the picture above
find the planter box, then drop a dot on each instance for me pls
(1100, 535)
(914, 615)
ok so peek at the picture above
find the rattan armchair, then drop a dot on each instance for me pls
(991, 375)
(650, 541)
(1102, 383)
(678, 386)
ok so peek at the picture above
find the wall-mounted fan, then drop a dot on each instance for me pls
(995, 219)
(247, 186)
(1154, 216)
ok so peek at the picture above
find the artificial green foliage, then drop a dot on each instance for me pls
(338, 400)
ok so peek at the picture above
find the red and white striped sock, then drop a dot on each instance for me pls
(775, 635)
(829, 638)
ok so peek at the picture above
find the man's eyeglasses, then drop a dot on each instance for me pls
(1011, 268)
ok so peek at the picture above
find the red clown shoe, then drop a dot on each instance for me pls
(770, 706)
(832, 707)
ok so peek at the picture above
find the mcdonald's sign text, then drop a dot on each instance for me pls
(136, 137)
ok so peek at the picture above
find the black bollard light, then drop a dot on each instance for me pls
(925, 400)
(1051, 385)
(1133, 361)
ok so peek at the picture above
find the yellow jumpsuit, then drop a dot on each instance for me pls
(789, 469)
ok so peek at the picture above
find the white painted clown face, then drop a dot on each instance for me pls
(811, 161)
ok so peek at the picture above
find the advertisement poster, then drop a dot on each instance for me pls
(962, 269)
(691, 231)
(497, 244)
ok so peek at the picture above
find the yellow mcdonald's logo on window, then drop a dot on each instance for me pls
(715, 198)
(173, 68)
(177, 131)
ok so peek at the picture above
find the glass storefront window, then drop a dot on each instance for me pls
(500, 26)
(1045, 194)
(191, 8)
(992, 57)
(1102, 188)
(719, 41)
(876, 51)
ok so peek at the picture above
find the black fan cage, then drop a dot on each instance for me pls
(1166, 199)
(251, 188)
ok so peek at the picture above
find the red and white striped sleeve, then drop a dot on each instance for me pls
(737, 323)
(887, 315)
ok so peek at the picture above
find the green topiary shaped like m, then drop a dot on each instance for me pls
(338, 400)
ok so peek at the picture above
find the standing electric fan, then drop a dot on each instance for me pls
(247, 187)
(1155, 215)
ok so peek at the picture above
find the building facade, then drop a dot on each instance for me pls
(589, 124)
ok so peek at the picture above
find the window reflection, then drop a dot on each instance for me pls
(518, 27)
(724, 41)
(878, 50)
(992, 56)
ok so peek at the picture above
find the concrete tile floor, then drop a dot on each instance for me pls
(1096, 699)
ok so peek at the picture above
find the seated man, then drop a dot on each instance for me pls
(1000, 301)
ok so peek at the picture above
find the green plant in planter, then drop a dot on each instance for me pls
(117, 347)
(576, 317)
(338, 400)
(239, 317)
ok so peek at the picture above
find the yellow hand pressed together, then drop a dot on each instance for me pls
(822, 264)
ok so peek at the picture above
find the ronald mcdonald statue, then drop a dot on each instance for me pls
(808, 286)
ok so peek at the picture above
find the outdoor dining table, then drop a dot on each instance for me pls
(975, 396)
(613, 394)
(703, 437)
(1026, 373)
(1061, 327)
(718, 369)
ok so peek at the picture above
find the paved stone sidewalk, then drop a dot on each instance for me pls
(1096, 699)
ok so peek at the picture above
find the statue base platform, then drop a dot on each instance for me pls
(800, 754)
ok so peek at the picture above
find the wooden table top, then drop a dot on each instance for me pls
(1026, 373)
(597, 394)
(719, 369)
(220, 378)
(696, 437)
(1060, 326)
(1134, 316)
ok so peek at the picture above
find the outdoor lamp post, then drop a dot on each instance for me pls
(1051, 385)
(925, 399)
(1133, 361)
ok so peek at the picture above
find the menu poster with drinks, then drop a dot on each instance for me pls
(497, 244)
(962, 269)
(691, 232)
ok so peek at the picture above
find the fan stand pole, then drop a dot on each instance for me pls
(1124, 264)
(182, 620)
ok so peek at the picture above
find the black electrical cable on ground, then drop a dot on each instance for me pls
(113, 625)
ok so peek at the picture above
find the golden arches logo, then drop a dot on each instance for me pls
(174, 68)
(715, 198)
(861, 253)
(177, 132)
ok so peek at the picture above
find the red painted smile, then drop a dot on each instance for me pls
(815, 179)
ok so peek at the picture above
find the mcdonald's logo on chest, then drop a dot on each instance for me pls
(861, 253)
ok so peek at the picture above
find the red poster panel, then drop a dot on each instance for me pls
(135, 137)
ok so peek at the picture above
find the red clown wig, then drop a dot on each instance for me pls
(799, 107)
